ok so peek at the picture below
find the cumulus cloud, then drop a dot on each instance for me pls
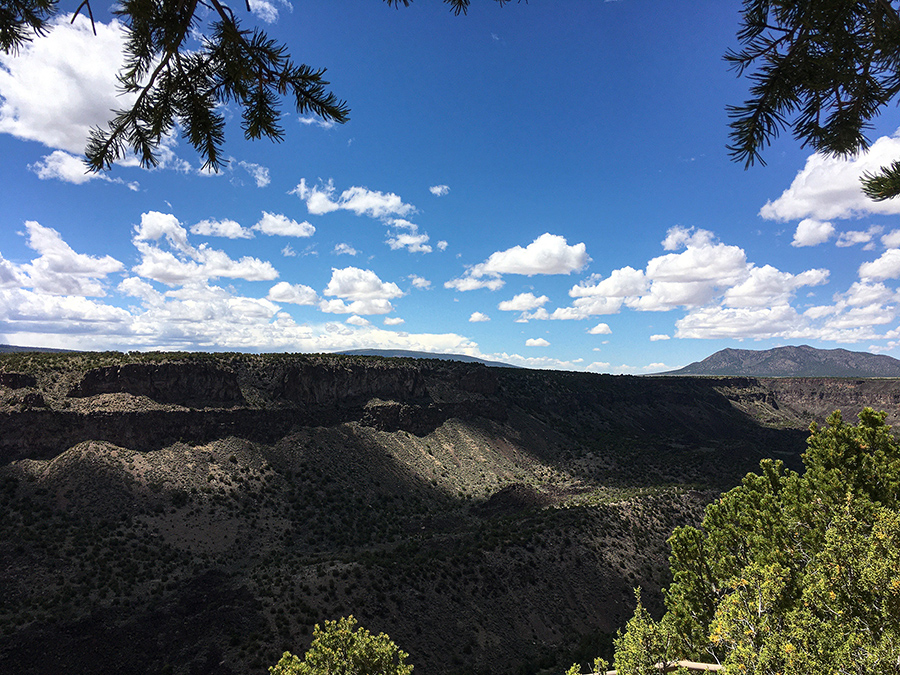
(887, 266)
(439, 190)
(60, 165)
(812, 233)
(221, 228)
(58, 269)
(744, 322)
(280, 225)
(419, 282)
(600, 329)
(767, 286)
(296, 294)
(59, 86)
(621, 283)
(267, 11)
(523, 302)
(710, 279)
(478, 317)
(855, 237)
(185, 264)
(366, 293)
(548, 254)
(25, 311)
(393, 321)
(828, 187)
(359, 200)
(358, 321)
(412, 242)
(536, 342)
(692, 277)
(466, 283)
(659, 337)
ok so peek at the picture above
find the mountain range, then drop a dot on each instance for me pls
(799, 361)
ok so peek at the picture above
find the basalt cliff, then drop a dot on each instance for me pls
(199, 513)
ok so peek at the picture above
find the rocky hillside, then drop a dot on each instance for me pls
(802, 361)
(200, 513)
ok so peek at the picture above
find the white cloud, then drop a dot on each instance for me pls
(548, 254)
(600, 329)
(891, 239)
(767, 286)
(372, 306)
(478, 317)
(419, 282)
(828, 187)
(887, 266)
(24, 311)
(442, 245)
(188, 264)
(659, 337)
(10, 275)
(309, 120)
(743, 322)
(536, 342)
(812, 233)
(366, 292)
(267, 11)
(59, 86)
(296, 294)
(414, 243)
(358, 321)
(854, 237)
(465, 283)
(155, 225)
(221, 228)
(621, 283)
(344, 249)
(288, 251)
(59, 270)
(280, 225)
(393, 321)
(690, 278)
(523, 302)
(61, 165)
(439, 190)
(352, 283)
(259, 173)
(361, 201)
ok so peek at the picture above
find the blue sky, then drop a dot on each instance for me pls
(544, 184)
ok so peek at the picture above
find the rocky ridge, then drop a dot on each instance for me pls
(488, 519)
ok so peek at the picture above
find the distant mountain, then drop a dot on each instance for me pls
(403, 354)
(802, 361)
(15, 348)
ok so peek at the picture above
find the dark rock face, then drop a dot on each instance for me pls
(330, 384)
(17, 380)
(181, 383)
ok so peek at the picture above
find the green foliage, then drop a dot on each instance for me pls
(644, 644)
(338, 649)
(823, 68)
(790, 573)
